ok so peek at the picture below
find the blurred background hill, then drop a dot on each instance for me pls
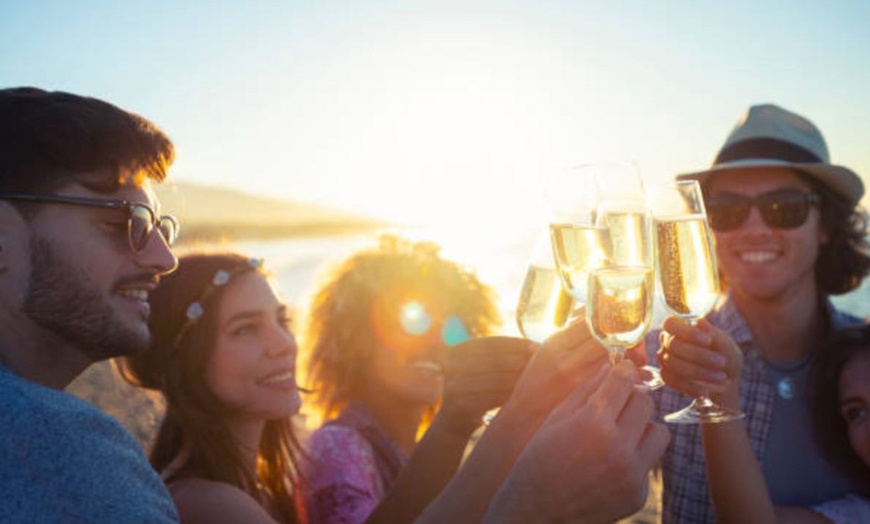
(215, 214)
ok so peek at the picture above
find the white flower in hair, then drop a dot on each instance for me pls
(221, 277)
(194, 311)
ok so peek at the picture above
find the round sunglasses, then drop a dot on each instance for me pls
(781, 209)
(417, 321)
(141, 219)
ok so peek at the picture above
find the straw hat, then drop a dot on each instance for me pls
(769, 136)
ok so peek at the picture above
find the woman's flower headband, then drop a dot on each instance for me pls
(221, 278)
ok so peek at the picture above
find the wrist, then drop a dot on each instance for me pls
(457, 427)
(514, 502)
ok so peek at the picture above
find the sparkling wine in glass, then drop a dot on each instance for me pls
(687, 275)
(621, 292)
(543, 306)
(579, 244)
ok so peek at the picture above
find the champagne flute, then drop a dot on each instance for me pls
(544, 306)
(579, 243)
(687, 275)
(621, 292)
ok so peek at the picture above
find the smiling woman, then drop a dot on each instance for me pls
(223, 356)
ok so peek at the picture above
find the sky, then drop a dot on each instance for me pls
(448, 113)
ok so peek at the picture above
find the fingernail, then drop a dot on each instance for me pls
(703, 338)
(717, 377)
(718, 360)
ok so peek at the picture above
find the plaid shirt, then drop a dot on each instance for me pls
(685, 496)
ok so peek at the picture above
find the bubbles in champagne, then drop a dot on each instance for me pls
(619, 309)
(687, 267)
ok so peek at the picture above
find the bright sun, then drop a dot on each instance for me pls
(449, 136)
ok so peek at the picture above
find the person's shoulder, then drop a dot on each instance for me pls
(31, 401)
(68, 457)
(56, 419)
(339, 455)
(851, 508)
(201, 500)
(336, 437)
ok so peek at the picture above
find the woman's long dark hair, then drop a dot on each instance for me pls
(195, 419)
(824, 386)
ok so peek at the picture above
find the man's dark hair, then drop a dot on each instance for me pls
(843, 261)
(51, 139)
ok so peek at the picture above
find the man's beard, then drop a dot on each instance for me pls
(60, 300)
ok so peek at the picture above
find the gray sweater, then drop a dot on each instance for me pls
(62, 460)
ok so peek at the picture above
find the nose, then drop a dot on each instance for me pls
(754, 222)
(156, 255)
(280, 342)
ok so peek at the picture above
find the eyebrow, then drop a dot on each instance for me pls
(244, 315)
(254, 314)
(850, 400)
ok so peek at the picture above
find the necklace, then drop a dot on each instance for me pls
(786, 387)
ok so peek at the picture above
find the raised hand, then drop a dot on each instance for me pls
(480, 374)
(567, 358)
(698, 359)
(589, 461)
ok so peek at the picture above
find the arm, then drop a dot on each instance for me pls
(479, 375)
(735, 480)
(693, 357)
(566, 359)
(201, 500)
(606, 446)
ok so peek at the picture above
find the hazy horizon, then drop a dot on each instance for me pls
(443, 112)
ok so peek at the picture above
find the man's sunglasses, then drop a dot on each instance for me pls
(141, 219)
(783, 209)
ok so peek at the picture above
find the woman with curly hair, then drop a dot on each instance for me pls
(377, 360)
(223, 356)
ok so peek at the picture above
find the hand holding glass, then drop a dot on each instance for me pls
(687, 275)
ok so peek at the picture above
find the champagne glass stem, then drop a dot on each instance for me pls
(654, 380)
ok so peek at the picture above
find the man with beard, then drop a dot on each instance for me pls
(82, 243)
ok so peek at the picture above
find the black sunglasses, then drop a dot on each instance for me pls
(782, 209)
(141, 219)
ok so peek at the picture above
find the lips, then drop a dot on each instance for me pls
(137, 288)
(758, 257)
(428, 366)
(134, 294)
(279, 377)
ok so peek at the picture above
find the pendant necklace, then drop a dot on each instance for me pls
(786, 387)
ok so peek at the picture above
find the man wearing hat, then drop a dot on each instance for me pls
(788, 234)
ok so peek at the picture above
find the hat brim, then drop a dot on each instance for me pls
(841, 180)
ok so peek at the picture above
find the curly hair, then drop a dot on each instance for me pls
(339, 337)
(843, 261)
(195, 418)
(824, 386)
